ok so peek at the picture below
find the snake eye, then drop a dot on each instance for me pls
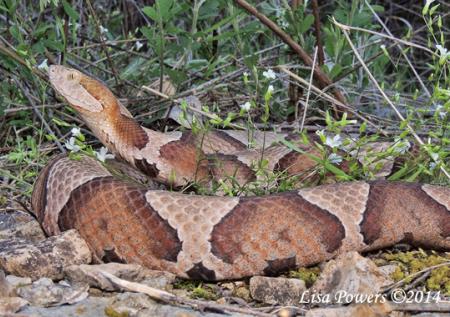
(71, 76)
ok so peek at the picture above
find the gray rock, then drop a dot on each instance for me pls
(271, 290)
(91, 275)
(20, 225)
(46, 258)
(5, 287)
(17, 281)
(45, 293)
(10, 305)
(361, 310)
(140, 305)
(90, 307)
(348, 275)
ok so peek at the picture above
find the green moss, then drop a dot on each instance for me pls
(186, 285)
(242, 292)
(414, 261)
(197, 289)
(3, 200)
(110, 312)
(309, 275)
(204, 292)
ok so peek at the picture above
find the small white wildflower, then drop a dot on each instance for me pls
(270, 89)
(330, 64)
(440, 110)
(138, 45)
(401, 147)
(320, 133)
(70, 145)
(434, 156)
(432, 166)
(103, 30)
(75, 132)
(283, 23)
(269, 74)
(333, 142)
(335, 158)
(442, 51)
(43, 65)
(246, 106)
(245, 74)
(102, 155)
(77, 25)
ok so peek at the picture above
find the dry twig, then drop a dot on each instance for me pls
(321, 77)
(344, 29)
(169, 298)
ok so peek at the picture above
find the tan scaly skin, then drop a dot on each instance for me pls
(216, 238)
(175, 157)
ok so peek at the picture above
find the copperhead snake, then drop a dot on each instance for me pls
(213, 237)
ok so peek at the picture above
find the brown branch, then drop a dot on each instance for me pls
(169, 298)
(320, 76)
(315, 9)
(296, 3)
(102, 42)
(12, 54)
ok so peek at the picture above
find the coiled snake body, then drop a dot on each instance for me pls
(209, 237)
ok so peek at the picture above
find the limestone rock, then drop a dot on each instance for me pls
(17, 281)
(140, 305)
(360, 310)
(270, 290)
(20, 225)
(46, 258)
(348, 275)
(45, 293)
(10, 305)
(5, 288)
(91, 275)
(90, 307)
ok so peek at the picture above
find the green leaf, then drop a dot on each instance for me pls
(151, 13)
(336, 70)
(70, 11)
(165, 7)
(14, 31)
(306, 23)
(54, 45)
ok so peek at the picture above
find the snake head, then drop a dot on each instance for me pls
(84, 94)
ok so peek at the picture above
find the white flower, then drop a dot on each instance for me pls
(138, 45)
(270, 89)
(440, 111)
(75, 132)
(43, 65)
(333, 142)
(103, 30)
(102, 155)
(77, 25)
(269, 74)
(245, 74)
(432, 166)
(246, 106)
(401, 147)
(335, 158)
(434, 156)
(320, 133)
(443, 51)
(70, 145)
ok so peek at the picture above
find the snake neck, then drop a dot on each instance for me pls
(120, 133)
